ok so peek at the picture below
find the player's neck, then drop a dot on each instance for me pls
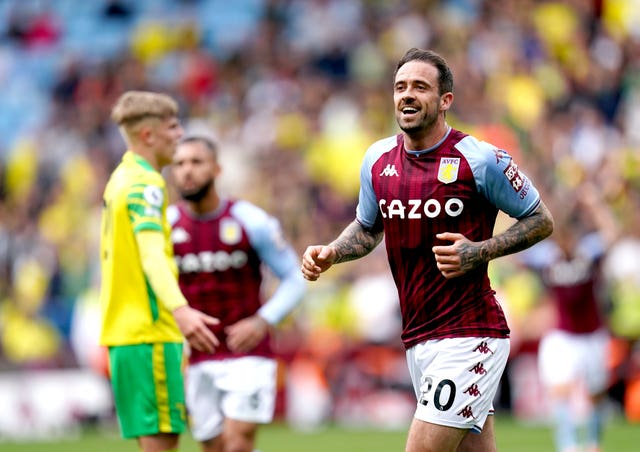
(150, 157)
(427, 138)
(208, 204)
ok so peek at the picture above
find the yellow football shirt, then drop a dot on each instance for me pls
(135, 199)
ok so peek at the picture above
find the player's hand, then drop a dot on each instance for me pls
(458, 258)
(317, 259)
(193, 325)
(244, 335)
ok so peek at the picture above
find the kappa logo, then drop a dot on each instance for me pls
(500, 154)
(466, 412)
(473, 390)
(389, 170)
(478, 369)
(179, 235)
(483, 347)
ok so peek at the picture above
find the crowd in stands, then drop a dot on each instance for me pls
(295, 91)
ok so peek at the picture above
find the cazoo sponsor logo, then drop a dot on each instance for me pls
(415, 209)
(209, 261)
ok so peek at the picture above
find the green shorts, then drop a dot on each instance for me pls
(148, 388)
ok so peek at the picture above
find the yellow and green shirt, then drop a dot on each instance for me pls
(135, 199)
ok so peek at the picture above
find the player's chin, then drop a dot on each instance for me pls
(409, 127)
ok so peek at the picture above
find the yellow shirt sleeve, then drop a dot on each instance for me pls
(159, 274)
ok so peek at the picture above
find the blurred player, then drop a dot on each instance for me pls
(220, 246)
(434, 193)
(572, 356)
(143, 310)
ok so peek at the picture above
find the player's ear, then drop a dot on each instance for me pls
(145, 133)
(446, 100)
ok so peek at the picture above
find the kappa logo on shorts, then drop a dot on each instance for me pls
(483, 347)
(479, 369)
(473, 390)
(466, 412)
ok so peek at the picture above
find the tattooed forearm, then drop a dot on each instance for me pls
(471, 255)
(521, 235)
(355, 242)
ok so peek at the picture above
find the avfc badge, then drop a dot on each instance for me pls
(448, 171)
(230, 231)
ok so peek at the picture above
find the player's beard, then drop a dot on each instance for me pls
(199, 193)
(428, 120)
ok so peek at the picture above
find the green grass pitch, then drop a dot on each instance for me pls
(620, 436)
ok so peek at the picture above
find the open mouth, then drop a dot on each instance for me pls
(409, 111)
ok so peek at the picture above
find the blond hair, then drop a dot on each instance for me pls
(134, 106)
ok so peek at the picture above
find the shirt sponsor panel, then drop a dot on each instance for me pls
(211, 261)
(416, 209)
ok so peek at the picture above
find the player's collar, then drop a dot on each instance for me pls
(435, 146)
(137, 158)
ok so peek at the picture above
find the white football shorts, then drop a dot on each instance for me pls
(565, 358)
(243, 389)
(456, 379)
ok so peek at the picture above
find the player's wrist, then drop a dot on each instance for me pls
(174, 305)
(262, 320)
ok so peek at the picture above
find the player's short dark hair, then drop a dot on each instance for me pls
(209, 143)
(445, 78)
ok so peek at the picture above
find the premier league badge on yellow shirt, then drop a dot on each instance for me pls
(448, 171)
(230, 231)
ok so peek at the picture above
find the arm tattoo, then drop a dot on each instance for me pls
(470, 256)
(356, 242)
(521, 235)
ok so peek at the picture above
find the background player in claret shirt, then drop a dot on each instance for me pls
(433, 193)
(573, 353)
(143, 310)
(220, 246)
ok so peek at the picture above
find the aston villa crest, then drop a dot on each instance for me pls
(448, 171)
(230, 231)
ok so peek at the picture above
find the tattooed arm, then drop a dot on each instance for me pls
(353, 243)
(463, 255)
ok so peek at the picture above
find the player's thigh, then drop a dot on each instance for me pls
(485, 441)
(239, 435)
(158, 443)
(428, 437)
